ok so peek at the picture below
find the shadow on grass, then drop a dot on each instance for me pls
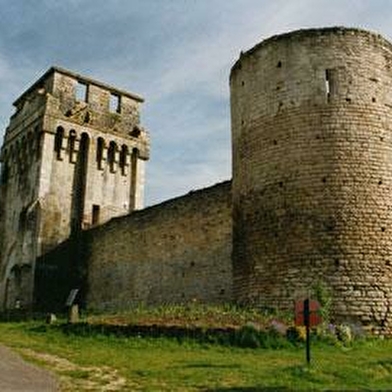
(39, 328)
(386, 363)
(210, 366)
(249, 389)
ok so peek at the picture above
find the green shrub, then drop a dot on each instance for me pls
(248, 336)
(344, 333)
(251, 336)
(296, 334)
(323, 295)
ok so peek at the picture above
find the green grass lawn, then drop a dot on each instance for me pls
(100, 363)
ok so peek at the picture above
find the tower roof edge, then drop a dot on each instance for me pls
(79, 77)
(306, 32)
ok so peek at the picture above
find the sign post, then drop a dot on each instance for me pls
(307, 314)
(307, 325)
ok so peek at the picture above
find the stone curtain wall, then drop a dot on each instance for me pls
(178, 251)
(312, 181)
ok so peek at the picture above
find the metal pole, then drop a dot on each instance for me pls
(307, 325)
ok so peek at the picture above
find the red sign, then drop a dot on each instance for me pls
(314, 313)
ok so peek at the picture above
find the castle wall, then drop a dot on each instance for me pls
(175, 252)
(309, 205)
(312, 172)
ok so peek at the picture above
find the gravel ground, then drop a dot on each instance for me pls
(16, 375)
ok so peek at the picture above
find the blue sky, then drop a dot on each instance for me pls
(175, 53)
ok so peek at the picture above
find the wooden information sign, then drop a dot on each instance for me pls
(307, 314)
(314, 313)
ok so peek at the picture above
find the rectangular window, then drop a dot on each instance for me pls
(82, 92)
(115, 103)
(95, 217)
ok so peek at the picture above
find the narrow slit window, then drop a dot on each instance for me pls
(81, 92)
(330, 83)
(115, 103)
(134, 178)
(112, 156)
(95, 214)
(72, 146)
(123, 159)
(100, 148)
(58, 142)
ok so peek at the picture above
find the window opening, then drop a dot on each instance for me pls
(95, 214)
(134, 168)
(135, 131)
(99, 157)
(112, 156)
(115, 103)
(58, 142)
(327, 84)
(86, 119)
(71, 146)
(123, 159)
(81, 92)
(330, 83)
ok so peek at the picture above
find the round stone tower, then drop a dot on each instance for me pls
(312, 172)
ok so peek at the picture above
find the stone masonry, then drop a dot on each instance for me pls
(309, 203)
(73, 157)
(175, 252)
(312, 172)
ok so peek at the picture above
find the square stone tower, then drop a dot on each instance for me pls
(73, 157)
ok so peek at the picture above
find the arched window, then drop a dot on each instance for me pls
(84, 146)
(72, 145)
(99, 156)
(123, 159)
(112, 156)
(58, 142)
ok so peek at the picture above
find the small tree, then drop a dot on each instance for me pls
(323, 295)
